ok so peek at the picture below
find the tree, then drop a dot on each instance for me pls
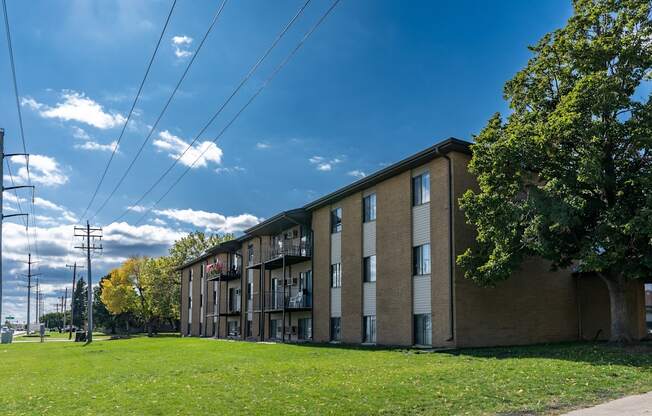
(101, 316)
(568, 175)
(80, 300)
(194, 245)
(162, 289)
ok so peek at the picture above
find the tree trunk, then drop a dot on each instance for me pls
(620, 324)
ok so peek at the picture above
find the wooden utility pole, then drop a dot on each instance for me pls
(63, 307)
(89, 233)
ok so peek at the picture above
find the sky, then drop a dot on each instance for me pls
(375, 82)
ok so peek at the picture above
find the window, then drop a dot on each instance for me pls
(250, 253)
(188, 332)
(369, 324)
(421, 258)
(421, 189)
(276, 329)
(249, 327)
(336, 275)
(370, 269)
(234, 304)
(336, 333)
(305, 329)
(422, 329)
(336, 220)
(201, 300)
(369, 208)
(250, 291)
(190, 276)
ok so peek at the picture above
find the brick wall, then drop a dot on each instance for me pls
(393, 261)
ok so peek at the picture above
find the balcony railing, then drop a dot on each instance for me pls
(275, 300)
(287, 249)
(223, 273)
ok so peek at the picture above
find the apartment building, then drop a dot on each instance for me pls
(374, 263)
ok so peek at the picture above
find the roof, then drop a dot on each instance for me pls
(449, 145)
(303, 215)
(225, 247)
(279, 223)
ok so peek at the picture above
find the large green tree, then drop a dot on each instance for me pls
(568, 175)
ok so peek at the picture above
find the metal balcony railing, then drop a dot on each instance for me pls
(275, 300)
(287, 249)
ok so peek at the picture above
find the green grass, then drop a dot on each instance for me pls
(190, 376)
(55, 335)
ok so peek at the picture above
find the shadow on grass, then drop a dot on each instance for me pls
(595, 353)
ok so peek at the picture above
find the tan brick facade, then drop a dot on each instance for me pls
(321, 274)
(352, 269)
(394, 261)
(535, 305)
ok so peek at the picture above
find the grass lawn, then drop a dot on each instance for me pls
(190, 376)
(55, 335)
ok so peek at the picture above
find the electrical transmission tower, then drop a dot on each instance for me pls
(90, 234)
(3, 188)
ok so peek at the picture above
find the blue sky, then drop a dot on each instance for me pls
(376, 82)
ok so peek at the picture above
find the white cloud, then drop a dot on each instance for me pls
(136, 208)
(79, 133)
(180, 45)
(44, 170)
(230, 169)
(77, 107)
(175, 146)
(358, 174)
(211, 221)
(91, 145)
(323, 164)
(263, 146)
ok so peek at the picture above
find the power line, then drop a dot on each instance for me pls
(251, 71)
(253, 97)
(131, 110)
(160, 116)
(13, 76)
(10, 50)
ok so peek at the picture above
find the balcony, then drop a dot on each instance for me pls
(232, 310)
(275, 301)
(292, 253)
(222, 273)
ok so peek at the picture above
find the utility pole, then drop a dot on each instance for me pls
(29, 276)
(89, 233)
(3, 188)
(63, 306)
(72, 296)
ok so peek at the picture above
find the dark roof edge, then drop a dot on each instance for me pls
(270, 220)
(445, 146)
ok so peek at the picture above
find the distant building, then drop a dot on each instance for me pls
(374, 263)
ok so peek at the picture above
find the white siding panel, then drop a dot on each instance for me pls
(336, 302)
(421, 225)
(336, 248)
(421, 298)
(369, 298)
(369, 238)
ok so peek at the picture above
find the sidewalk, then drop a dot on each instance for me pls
(639, 405)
